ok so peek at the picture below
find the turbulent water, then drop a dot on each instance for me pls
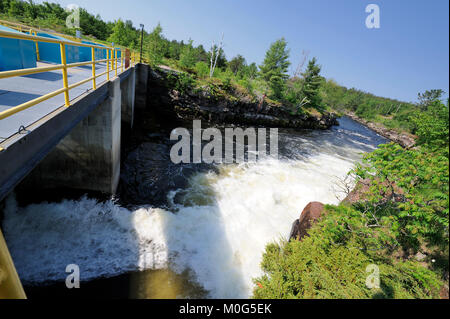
(216, 225)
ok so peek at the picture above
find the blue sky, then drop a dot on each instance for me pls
(407, 55)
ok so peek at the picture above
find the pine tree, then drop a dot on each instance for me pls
(188, 56)
(276, 62)
(275, 67)
(312, 83)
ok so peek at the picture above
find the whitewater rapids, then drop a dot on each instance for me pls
(218, 228)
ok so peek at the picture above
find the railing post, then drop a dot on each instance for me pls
(122, 60)
(38, 56)
(94, 85)
(115, 59)
(107, 64)
(64, 72)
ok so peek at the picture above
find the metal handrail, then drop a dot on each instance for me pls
(23, 36)
(112, 65)
(24, 28)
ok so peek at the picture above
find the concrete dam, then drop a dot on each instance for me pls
(56, 140)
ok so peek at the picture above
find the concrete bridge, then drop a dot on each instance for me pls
(71, 147)
(76, 146)
(63, 103)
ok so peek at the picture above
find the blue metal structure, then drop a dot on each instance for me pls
(100, 54)
(16, 54)
(51, 52)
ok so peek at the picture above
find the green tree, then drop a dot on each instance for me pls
(156, 46)
(123, 34)
(429, 97)
(174, 49)
(188, 56)
(251, 71)
(312, 83)
(276, 62)
(221, 59)
(275, 67)
(432, 126)
(237, 64)
(16, 8)
(201, 54)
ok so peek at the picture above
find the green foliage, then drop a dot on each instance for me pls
(156, 46)
(182, 82)
(389, 112)
(276, 62)
(237, 64)
(294, 93)
(96, 27)
(202, 69)
(410, 189)
(277, 85)
(247, 84)
(331, 263)
(52, 15)
(226, 78)
(221, 59)
(275, 66)
(428, 97)
(249, 71)
(311, 84)
(403, 208)
(123, 34)
(432, 125)
(188, 56)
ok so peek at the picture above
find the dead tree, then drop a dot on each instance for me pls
(216, 54)
(300, 66)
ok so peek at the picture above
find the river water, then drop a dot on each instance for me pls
(183, 230)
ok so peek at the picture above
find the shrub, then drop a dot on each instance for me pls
(202, 69)
(329, 265)
(183, 82)
(432, 126)
(409, 188)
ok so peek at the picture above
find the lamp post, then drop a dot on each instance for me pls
(142, 40)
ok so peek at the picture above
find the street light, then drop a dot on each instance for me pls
(142, 40)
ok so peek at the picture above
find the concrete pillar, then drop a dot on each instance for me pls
(127, 87)
(141, 85)
(88, 157)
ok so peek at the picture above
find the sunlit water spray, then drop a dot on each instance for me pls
(216, 228)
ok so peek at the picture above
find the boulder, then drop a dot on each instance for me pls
(310, 214)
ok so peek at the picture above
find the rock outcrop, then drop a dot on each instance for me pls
(203, 104)
(310, 214)
(404, 139)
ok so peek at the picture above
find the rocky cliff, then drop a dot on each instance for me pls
(206, 104)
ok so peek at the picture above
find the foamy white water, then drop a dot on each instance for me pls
(219, 231)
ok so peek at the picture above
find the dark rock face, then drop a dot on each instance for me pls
(310, 214)
(203, 105)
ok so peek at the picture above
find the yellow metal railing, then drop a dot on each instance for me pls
(10, 285)
(112, 59)
(24, 28)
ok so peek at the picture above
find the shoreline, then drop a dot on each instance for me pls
(405, 140)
